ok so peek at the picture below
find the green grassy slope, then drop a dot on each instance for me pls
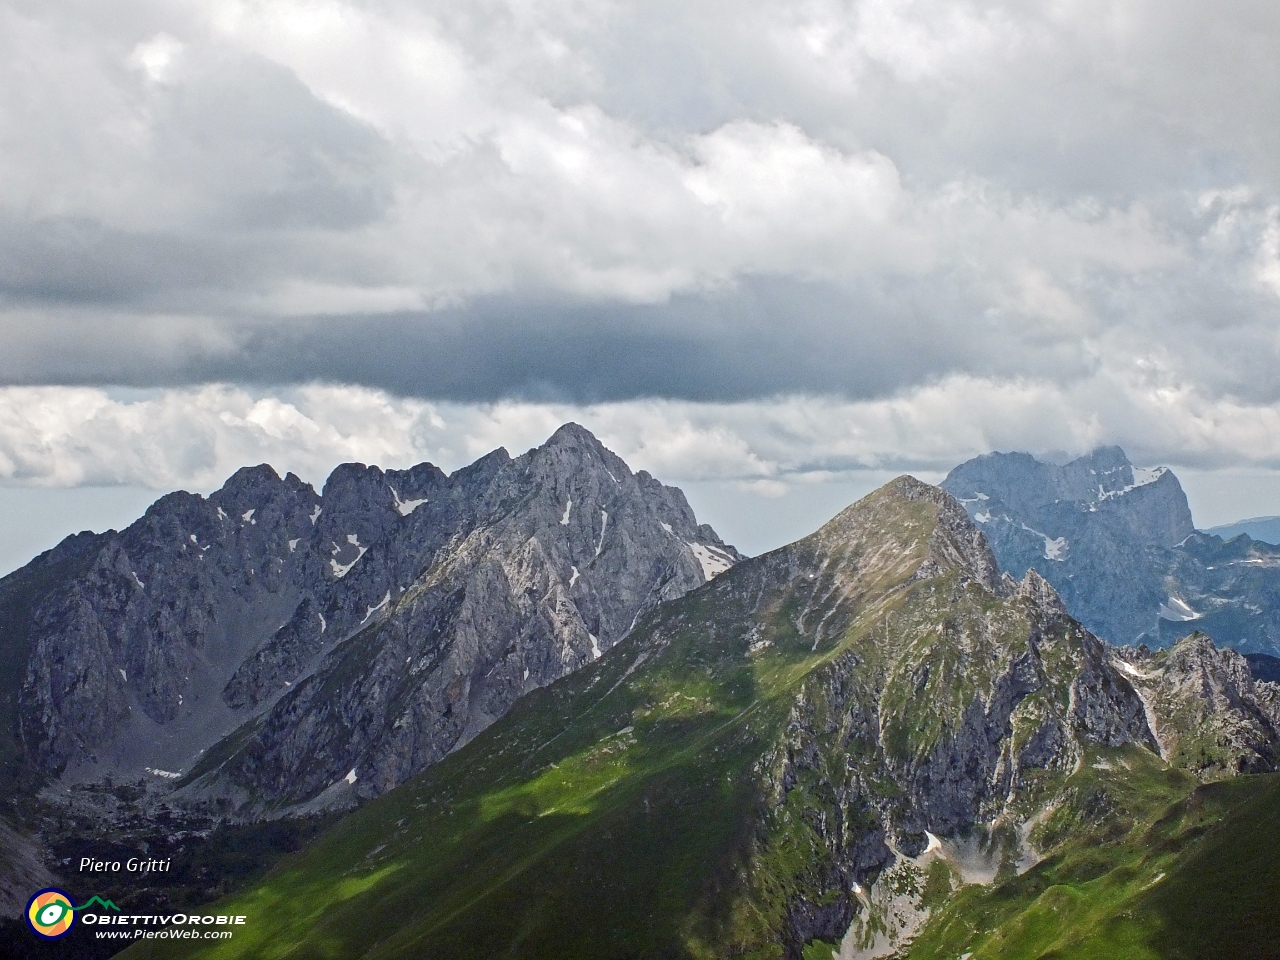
(636, 809)
(586, 824)
(1148, 864)
(617, 813)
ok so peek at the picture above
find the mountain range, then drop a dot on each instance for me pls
(1119, 546)
(534, 709)
(1266, 529)
(269, 651)
(868, 735)
(230, 640)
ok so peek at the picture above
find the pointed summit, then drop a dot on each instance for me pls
(573, 442)
(912, 522)
(573, 433)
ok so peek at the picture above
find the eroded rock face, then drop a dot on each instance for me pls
(374, 626)
(1211, 716)
(960, 698)
(1117, 543)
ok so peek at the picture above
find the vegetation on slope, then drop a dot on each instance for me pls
(1146, 864)
(619, 813)
(717, 784)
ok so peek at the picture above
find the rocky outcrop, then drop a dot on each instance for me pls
(1212, 717)
(784, 748)
(1118, 545)
(374, 626)
(965, 691)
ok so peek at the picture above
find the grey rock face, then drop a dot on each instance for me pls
(967, 696)
(1210, 714)
(1118, 545)
(575, 550)
(374, 626)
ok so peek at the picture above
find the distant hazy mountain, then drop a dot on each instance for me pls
(837, 740)
(1118, 544)
(1266, 529)
(276, 644)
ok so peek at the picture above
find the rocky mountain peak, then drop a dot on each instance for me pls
(911, 521)
(1197, 659)
(1211, 716)
(1040, 592)
(574, 435)
(1151, 503)
(573, 456)
(1102, 471)
(249, 482)
(1097, 528)
(371, 628)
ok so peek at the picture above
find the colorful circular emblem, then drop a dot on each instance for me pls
(50, 914)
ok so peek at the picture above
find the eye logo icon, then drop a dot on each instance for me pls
(50, 914)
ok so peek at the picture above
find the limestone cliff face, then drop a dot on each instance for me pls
(373, 626)
(754, 755)
(574, 549)
(1118, 545)
(1209, 714)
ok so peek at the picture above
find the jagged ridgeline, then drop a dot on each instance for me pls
(841, 729)
(1118, 544)
(271, 646)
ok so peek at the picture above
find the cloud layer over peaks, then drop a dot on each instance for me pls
(195, 438)
(590, 202)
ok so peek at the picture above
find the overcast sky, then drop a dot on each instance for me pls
(771, 251)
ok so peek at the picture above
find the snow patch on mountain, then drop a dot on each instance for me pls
(1178, 610)
(1055, 548)
(405, 507)
(1141, 477)
(370, 611)
(340, 570)
(714, 561)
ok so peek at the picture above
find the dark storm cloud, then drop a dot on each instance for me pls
(766, 337)
(587, 202)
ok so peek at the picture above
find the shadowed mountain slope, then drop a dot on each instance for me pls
(253, 613)
(735, 776)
